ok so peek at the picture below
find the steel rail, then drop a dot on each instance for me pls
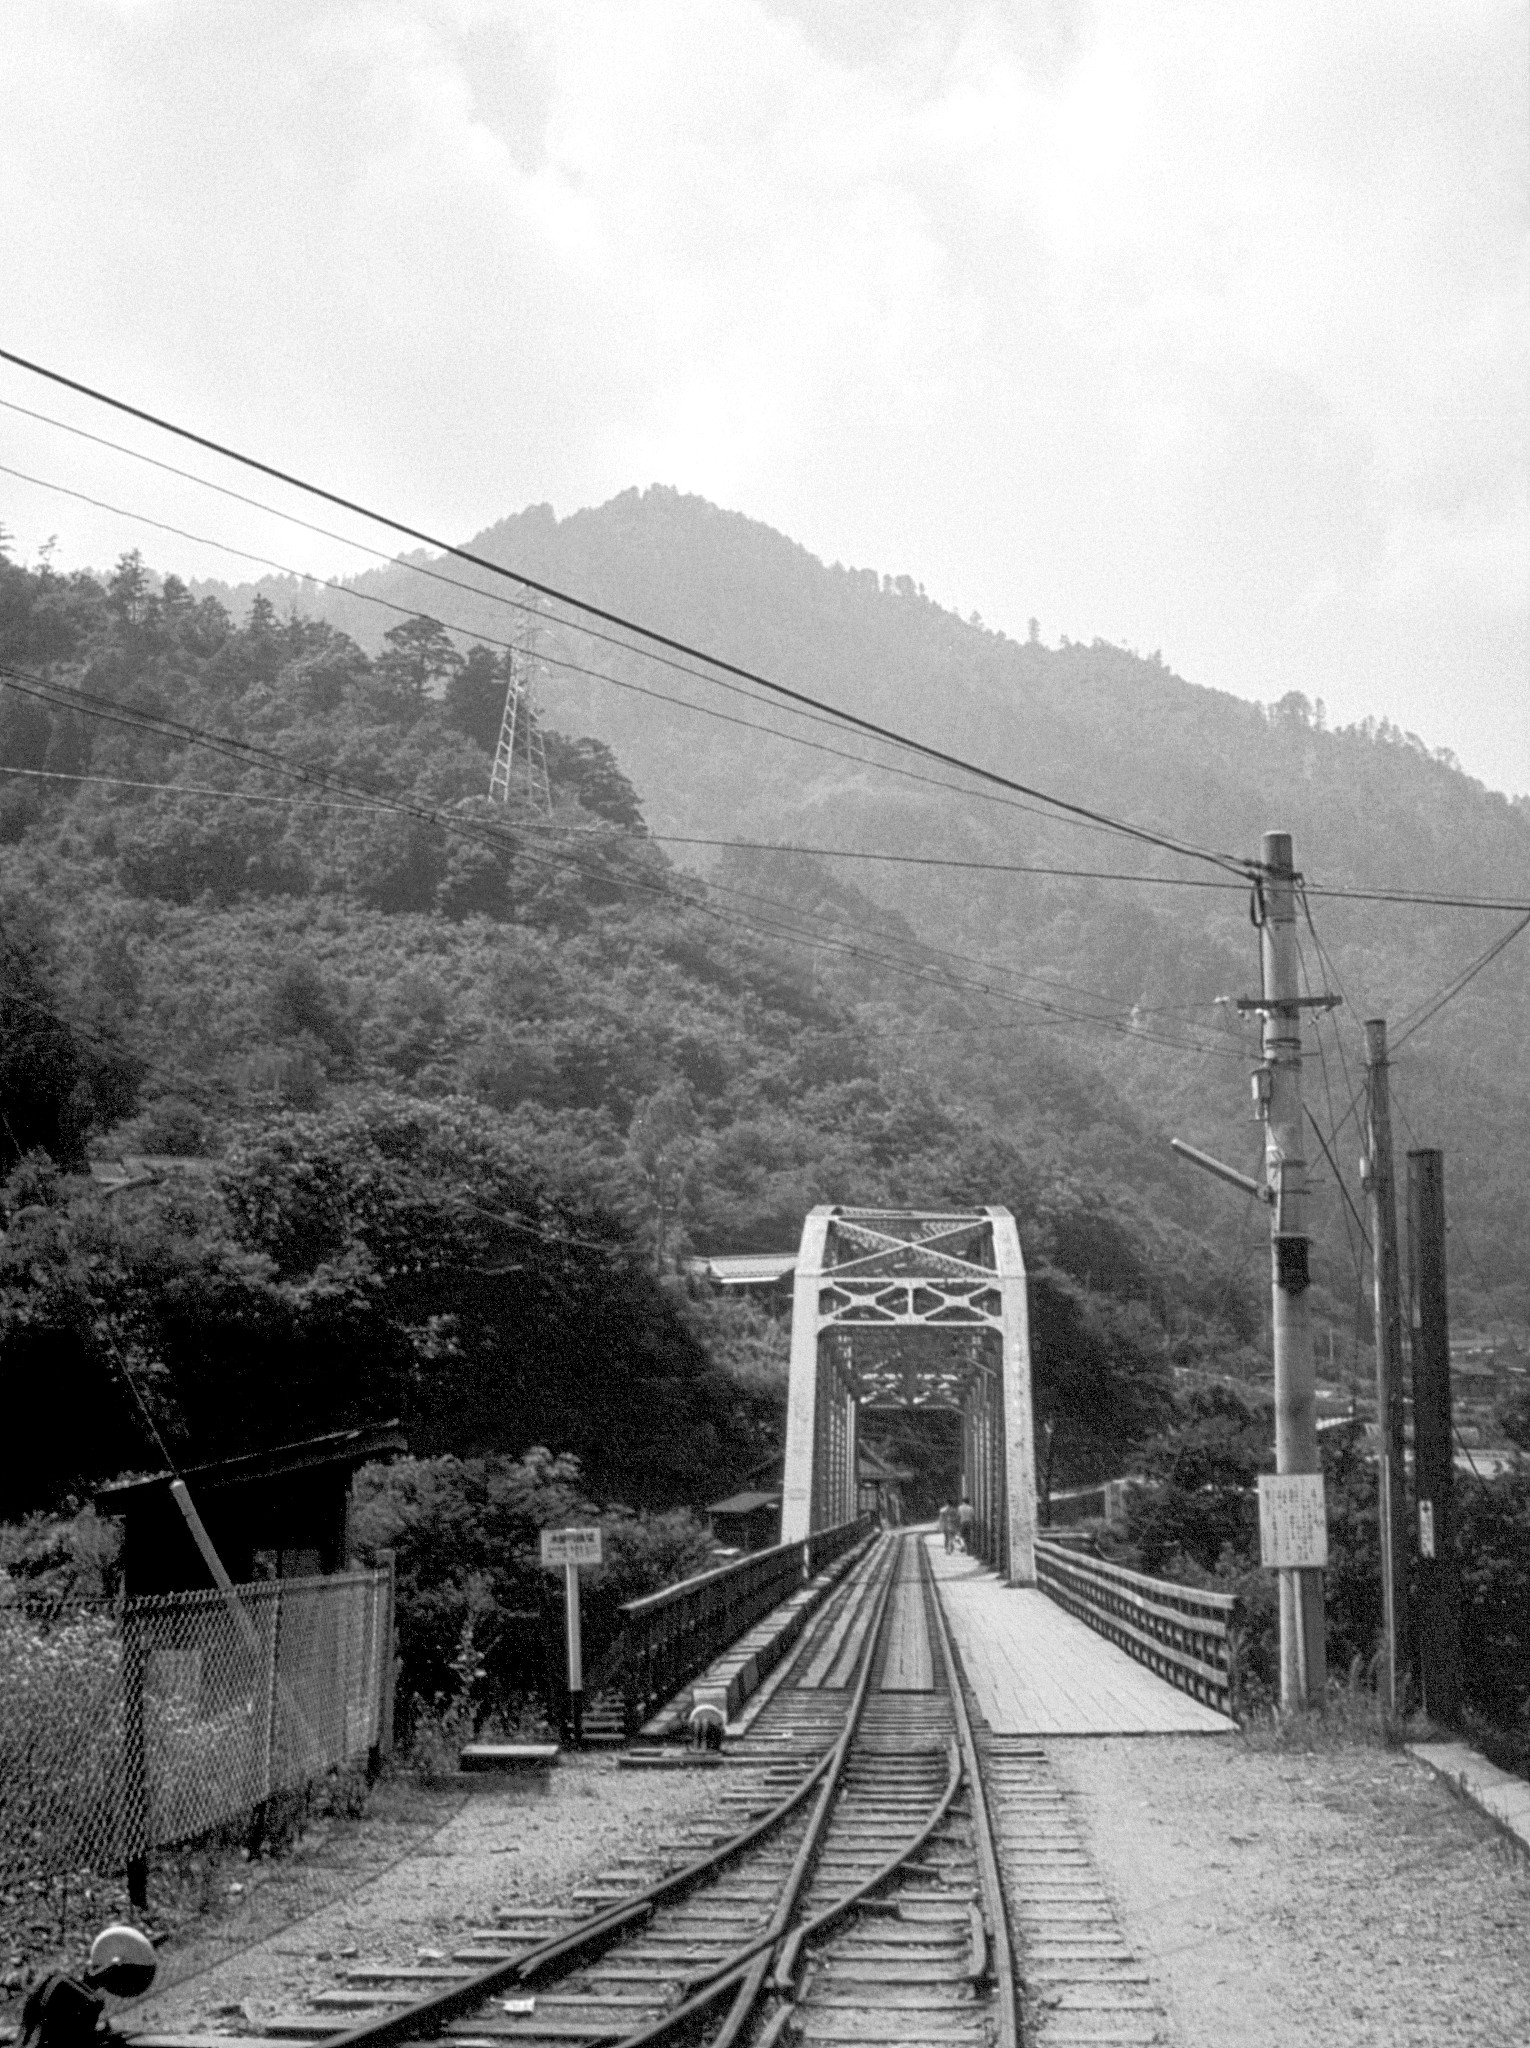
(745, 1968)
(1007, 2032)
(429, 2015)
(784, 1976)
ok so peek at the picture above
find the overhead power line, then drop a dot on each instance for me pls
(561, 662)
(1010, 867)
(477, 591)
(249, 753)
(871, 727)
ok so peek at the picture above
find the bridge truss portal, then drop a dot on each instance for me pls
(908, 1309)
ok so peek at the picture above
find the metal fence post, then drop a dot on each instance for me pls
(387, 1659)
(267, 1779)
(135, 1762)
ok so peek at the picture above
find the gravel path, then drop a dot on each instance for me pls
(464, 1858)
(1282, 1898)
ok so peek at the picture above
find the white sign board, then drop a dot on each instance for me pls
(1293, 1522)
(571, 1546)
(1426, 1528)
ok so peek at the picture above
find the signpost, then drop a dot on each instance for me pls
(572, 1548)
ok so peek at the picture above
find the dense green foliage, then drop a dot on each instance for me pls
(1196, 1518)
(480, 1618)
(459, 1085)
(471, 1080)
(1369, 807)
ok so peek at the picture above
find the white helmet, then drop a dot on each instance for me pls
(121, 1961)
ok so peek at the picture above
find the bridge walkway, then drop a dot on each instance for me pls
(1037, 1671)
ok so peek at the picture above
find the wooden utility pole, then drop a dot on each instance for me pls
(1391, 1503)
(1303, 1656)
(1438, 1629)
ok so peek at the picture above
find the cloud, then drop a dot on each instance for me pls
(1191, 326)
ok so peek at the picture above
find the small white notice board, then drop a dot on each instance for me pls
(1293, 1522)
(571, 1546)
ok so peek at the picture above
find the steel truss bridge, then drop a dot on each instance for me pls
(909, 1308)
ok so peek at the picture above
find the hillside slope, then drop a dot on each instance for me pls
(1127, 966)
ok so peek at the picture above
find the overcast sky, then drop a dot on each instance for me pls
(1195, 327)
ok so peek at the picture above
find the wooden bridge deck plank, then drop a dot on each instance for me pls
(1039, 1671)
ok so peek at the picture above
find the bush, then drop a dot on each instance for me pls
(1493, 1546)
(480, 1623)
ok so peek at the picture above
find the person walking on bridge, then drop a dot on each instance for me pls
(965, 1517)
(947, 1520)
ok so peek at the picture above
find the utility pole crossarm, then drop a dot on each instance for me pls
(1228, 1173)
(1262, 1003)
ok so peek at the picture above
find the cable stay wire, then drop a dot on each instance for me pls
(1417, 1018)
(872, 728)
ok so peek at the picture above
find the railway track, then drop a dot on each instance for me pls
(857, 1900)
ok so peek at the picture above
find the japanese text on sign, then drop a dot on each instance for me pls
(1426, 1528)
(1293, 1523)
(571, 1546)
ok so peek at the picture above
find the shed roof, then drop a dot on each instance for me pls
(744, 1503)
(340, 1447)
(744, 1269)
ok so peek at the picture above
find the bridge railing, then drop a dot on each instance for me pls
(1184, 1633)
(669, 1637)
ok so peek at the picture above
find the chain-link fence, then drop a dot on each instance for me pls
(125, 1731)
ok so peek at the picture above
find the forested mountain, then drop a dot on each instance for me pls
(455, 1083)
(1109, 1034)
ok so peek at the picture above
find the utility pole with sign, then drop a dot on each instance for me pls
(572, 1548)
(1303, 1655)
(1293, 1526)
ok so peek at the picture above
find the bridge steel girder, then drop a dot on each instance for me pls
(958, 1275)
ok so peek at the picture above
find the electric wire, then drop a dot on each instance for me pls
(829, 716)
(566, 666)
(672, 644)
(530, 609)
(281, 799)
(163, 726)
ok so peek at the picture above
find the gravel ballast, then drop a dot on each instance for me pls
(529, 1843)
(1276, 1898)
(1282, 1898)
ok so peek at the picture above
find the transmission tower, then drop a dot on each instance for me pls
(520, 759)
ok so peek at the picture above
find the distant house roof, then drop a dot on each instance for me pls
(147, 1169)
(744, 1269)
(744, 1503)
(349, 1447)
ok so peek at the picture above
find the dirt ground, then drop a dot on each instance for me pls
(455, 1861)
(1284, 1898)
